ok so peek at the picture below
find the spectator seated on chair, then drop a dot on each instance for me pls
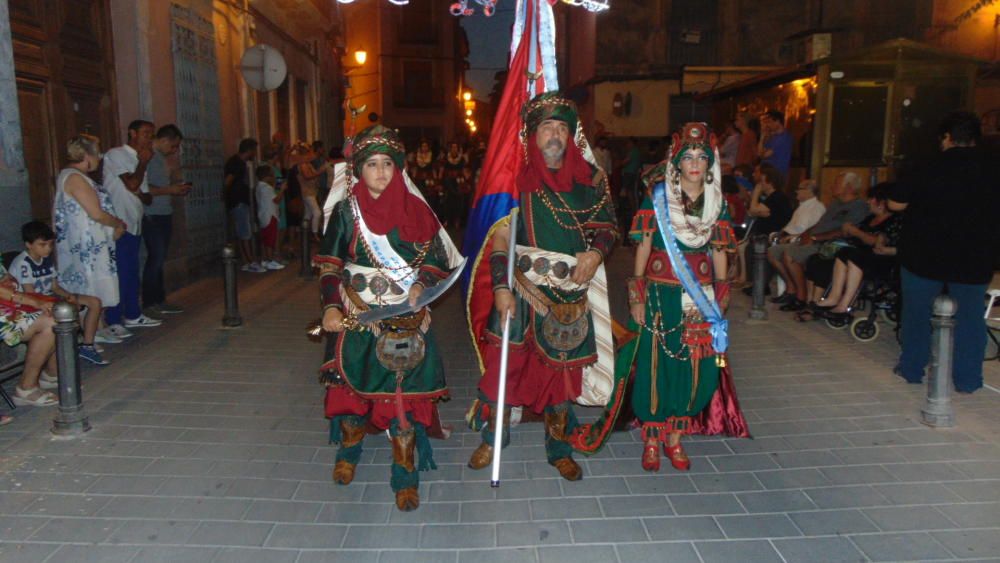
(35, 272)
(27, 317)
(769, 208)
(809, 211)
(866, 251)
(847, 208)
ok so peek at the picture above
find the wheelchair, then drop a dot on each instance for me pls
(877, 300)
(992, 327)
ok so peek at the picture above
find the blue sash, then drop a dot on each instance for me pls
(682, 269)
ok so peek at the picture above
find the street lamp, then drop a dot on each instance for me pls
(360, 56)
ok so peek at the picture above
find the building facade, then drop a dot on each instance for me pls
(92, 66)
(412, 77)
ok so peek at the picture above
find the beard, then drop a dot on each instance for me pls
(553, 151)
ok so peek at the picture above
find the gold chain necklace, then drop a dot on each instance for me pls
(590, 211)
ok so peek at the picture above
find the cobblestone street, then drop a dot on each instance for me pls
(210, 445)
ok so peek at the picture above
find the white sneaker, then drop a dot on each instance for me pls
(105, 336)
(272, 265)
(257, 268)
(246, 268)
(118, 331)
(142, 321)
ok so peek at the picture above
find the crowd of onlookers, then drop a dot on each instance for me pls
(105, 207)
(447, 177)
(929, 232)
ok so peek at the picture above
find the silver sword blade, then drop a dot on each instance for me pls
(426, 298)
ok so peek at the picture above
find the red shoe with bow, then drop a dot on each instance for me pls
(677, 457)
(651, 455)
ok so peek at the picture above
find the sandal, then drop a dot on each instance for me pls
(33, 398)
(46, 381)
(6, 419)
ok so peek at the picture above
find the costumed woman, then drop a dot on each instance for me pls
(677, 296)
(382, 246)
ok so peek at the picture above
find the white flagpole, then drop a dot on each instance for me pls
(504, 349)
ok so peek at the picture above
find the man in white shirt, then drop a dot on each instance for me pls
(125, 182)
(807, 214)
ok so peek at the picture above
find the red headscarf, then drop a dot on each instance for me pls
(397, 208)
(574, 170)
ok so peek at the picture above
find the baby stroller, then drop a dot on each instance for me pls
(881, 299)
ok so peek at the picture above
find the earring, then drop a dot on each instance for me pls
(710, 178)
(675, 175)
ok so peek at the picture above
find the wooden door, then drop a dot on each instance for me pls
(64, 67)
(32, 98)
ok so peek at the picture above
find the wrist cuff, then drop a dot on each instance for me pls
(636, 290)
(498, 270)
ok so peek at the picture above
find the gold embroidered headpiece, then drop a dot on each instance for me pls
(549, 105)
(377, 139)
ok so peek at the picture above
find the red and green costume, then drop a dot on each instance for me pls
(676, 371)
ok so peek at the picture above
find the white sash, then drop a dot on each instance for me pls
(396, 269)
(598, 378)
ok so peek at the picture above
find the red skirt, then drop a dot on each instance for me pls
(531, 381)
(342, 400)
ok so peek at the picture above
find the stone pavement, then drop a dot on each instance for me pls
(210, 445)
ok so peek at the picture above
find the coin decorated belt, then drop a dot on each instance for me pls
(371, 285)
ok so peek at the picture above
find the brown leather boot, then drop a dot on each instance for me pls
(407, 499)
(403, 450)
(555, 427)
(568, 469)
(343, 471)
(555, 424)
(483, 455)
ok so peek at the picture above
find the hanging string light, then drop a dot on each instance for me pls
(396, 2)
(590, 5)
(461, 8)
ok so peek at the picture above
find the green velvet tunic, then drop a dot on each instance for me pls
(665, 388)
(553, 230)
(351, 354)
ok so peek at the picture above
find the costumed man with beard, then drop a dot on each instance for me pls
(383, 246)
(677, 298)
(559, 325)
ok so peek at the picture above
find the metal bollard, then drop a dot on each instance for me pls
(757, 310)
(305, 268)
(232, 317)
(937, 411)
(71, 420)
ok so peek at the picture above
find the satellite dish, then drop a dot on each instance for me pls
(263, 68)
